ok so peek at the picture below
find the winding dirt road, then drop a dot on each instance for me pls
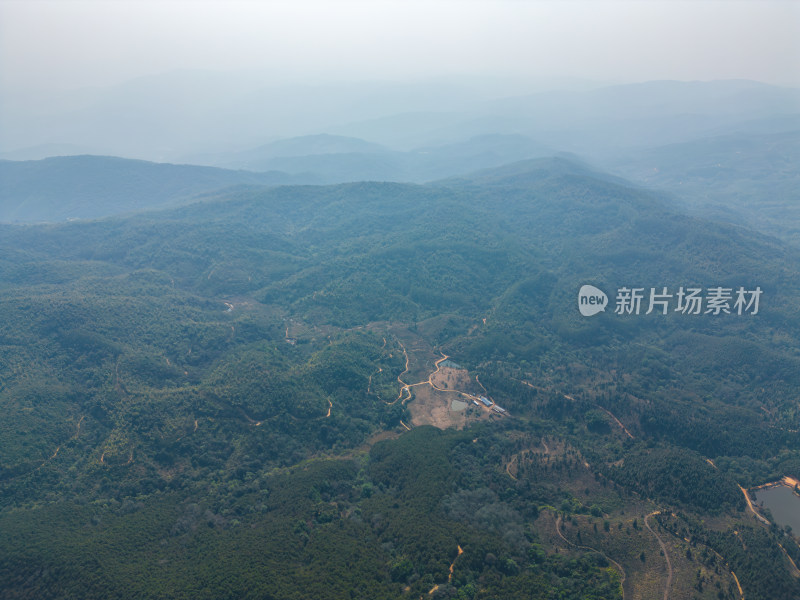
(608, 558)
(407, 386)
(55, 453)
(664, 550)
(400, 378)
(752, 508)
(450, 576)
(519, 455)
(616, 420)
(452, 566)
(508, 468)
(568, 397)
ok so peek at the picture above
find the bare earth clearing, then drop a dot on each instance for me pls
(433, 402)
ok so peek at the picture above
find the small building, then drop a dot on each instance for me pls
(499, 409)
(485, 400)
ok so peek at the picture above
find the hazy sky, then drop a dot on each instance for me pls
(81, 43)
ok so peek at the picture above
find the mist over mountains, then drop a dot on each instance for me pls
(288, 341)
(481, 300)
(725, 149)
(178, 115)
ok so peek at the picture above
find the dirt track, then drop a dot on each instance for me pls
(664, 550)
(609, 559)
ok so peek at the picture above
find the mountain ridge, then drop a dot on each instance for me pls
(89, 186)
(225, 390)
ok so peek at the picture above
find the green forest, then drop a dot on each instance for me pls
(207, 401)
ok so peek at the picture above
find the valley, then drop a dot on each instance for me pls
(280, 372)
(399, 300)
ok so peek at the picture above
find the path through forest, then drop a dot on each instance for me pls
(664, 550)
(608, 558)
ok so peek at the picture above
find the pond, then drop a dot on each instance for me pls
(783, 504)
(458, 406)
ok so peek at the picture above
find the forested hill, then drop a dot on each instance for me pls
(89, 187)
(208, 384)
(741, 178)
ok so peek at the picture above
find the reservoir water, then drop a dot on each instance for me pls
(783, 504)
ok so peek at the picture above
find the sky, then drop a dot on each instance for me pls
(70, 44)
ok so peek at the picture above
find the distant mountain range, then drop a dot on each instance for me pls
(89, 187)
(752, 180)
(747, 179)
(233, 113)
(338, 159)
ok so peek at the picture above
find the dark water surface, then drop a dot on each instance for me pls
(783, 504)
